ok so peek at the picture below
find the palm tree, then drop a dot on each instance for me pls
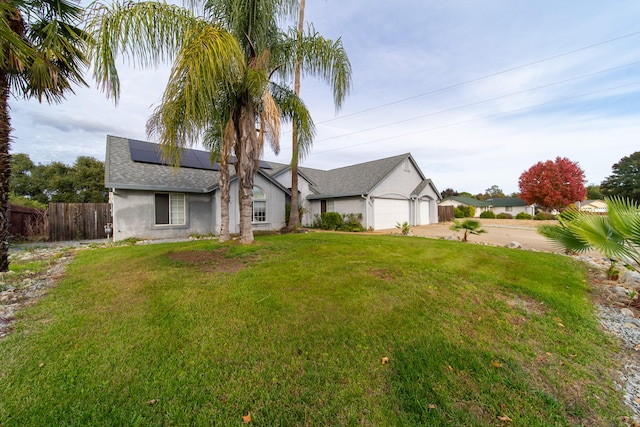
(42, 57)
(616, 235)
(340, 82)
(220, 89)
(470, 226)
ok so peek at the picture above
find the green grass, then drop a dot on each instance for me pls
(297, 333)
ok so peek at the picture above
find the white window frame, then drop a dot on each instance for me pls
(177, 209)
(259, 199)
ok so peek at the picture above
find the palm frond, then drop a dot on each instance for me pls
(563, 238)
(294, 110)
(624, 215)
(150, 33)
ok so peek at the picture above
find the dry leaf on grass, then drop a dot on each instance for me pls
(385, 360)
(152, 402)
(504, 417)
(431, 406)
(496, 364)
(246, 418)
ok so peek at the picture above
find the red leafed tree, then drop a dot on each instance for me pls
(553, 184)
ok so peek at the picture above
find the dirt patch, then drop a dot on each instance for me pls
(381, 273)
(212, 261)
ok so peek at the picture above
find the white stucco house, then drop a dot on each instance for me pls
(593, 206)
(456, 201)
(510, 205)
(152, 200)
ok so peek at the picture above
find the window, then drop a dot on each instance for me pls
(331, 207)
(170, 209)
(259, 205)
(508, 208)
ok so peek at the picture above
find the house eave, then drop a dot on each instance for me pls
(119, 186)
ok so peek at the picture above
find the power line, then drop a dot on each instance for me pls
(497, 73)
(460, 107)
(478, 118)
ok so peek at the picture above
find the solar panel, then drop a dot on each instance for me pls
(147, 152)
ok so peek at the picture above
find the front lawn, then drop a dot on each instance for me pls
(294, 328)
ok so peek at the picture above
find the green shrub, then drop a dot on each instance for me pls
(487, 214)
(464, 211)
(544, 216)
(331, 220)
(523, 215)
(504, 215)
(335, 221)
(352, 222)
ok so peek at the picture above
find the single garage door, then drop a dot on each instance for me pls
(387, 213)
(424, 212)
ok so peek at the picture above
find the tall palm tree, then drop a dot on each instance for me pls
(337, 74)
(221, 88)
(41, 56)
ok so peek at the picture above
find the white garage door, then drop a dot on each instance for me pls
(387, 213)
(424, 212)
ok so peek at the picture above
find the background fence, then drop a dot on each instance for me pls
(27, 222)
(445, 213)
(75, 221)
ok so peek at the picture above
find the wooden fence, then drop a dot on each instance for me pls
(75, 221)
(27, 222)
(445, 213)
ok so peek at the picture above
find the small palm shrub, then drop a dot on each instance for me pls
(523, 215)
(488, 214)
(404, 228)
(504, 215)
(469, 226)
(616, 235)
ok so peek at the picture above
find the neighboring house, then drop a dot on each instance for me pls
(456, 201)
(510, 205)
(152, 200)
(593, 206)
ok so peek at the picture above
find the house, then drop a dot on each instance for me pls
(510, 205)
(465, 201)
(153, 200)
(593, 206)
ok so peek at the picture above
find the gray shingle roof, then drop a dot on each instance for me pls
(352, 180)
(122, 172)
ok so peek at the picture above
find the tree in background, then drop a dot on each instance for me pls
(493, 192)
(625, 179)
(41, 56)
(56, 182)
(594, 192)
(553, 184)
(449, 192)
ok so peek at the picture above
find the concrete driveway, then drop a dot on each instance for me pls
(500, 232)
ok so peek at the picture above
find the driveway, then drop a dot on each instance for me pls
(500, 232)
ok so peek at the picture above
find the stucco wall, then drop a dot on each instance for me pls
(133, 216)
(276, 201)
(401, 182)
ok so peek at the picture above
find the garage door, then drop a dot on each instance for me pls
(424, 212)
(387, 213)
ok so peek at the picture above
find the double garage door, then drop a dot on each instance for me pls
(388, 212)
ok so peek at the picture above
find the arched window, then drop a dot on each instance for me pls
(259, 205)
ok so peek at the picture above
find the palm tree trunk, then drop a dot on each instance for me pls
(294, 215)
(224, 200)
(5, 171)
(245, 167)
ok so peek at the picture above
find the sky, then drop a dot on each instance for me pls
(477, 91)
